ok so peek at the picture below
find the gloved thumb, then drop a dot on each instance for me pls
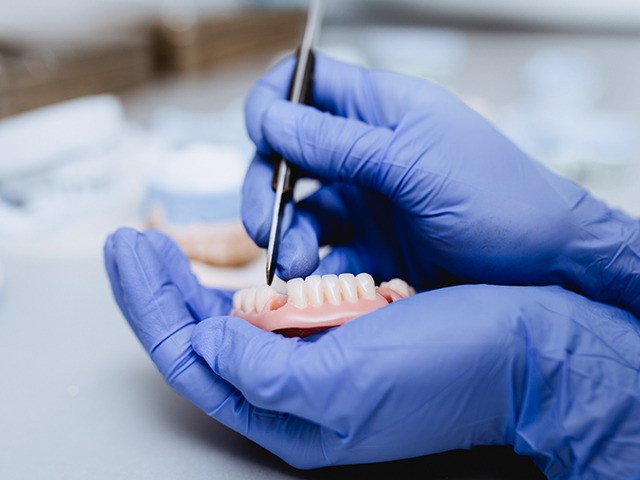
(273, 372)
(257, 362)
(327, 146)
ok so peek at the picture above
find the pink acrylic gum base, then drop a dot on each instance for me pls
(291, 321)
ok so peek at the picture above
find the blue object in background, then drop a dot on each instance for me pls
(187, 209)
(197, 183)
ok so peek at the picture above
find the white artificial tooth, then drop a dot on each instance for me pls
(348, 287)
(237, 299)
(263, 295)
(314, 290)
(296, 292)
(249, 299)
(401, 287)
(366, 286)
(279, 285)
(331, 288)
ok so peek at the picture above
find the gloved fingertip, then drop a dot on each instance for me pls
(295, 268)
(108, 258)
(107, 248)
(122, 234)
(125, 236)
(125, 231)
(298, 254)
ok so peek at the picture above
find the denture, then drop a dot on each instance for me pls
(315, 303)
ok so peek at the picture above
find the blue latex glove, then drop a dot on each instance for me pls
(545, 370)
(419, 186)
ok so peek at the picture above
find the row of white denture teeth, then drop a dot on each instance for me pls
(312, 291)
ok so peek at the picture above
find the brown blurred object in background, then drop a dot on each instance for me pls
(184, 42)
(35, 75)
(219, 244)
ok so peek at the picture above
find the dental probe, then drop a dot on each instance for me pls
(300, 91)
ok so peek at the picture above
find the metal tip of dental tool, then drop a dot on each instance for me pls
(274, 232)
(270, 273)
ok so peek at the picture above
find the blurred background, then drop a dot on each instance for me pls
(129, 112)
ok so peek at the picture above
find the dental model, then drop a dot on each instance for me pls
(315, 303)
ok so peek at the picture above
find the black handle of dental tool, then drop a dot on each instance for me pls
(306, 97)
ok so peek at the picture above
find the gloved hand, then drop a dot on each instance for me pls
(540, 368)
(419, 186)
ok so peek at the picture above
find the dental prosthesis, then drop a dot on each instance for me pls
(315, 303)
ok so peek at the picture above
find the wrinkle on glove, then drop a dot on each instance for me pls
(581, 414)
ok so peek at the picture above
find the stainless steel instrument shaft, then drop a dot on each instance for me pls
(300, 91)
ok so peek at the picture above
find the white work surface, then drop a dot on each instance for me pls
(79, 398)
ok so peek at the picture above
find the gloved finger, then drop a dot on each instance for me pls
(319, 219)
(203, 302)
(229, 343)
(328, 211)
(257, 200)
(274, 372)
(332, 148)
(342, 89)
(111, 266)
(295, 440)
(378, 98)
(272, 86)
(341, 259)
(156, 312)
(350, 259)
(298, 249)
(155, 305)
(325, 206)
